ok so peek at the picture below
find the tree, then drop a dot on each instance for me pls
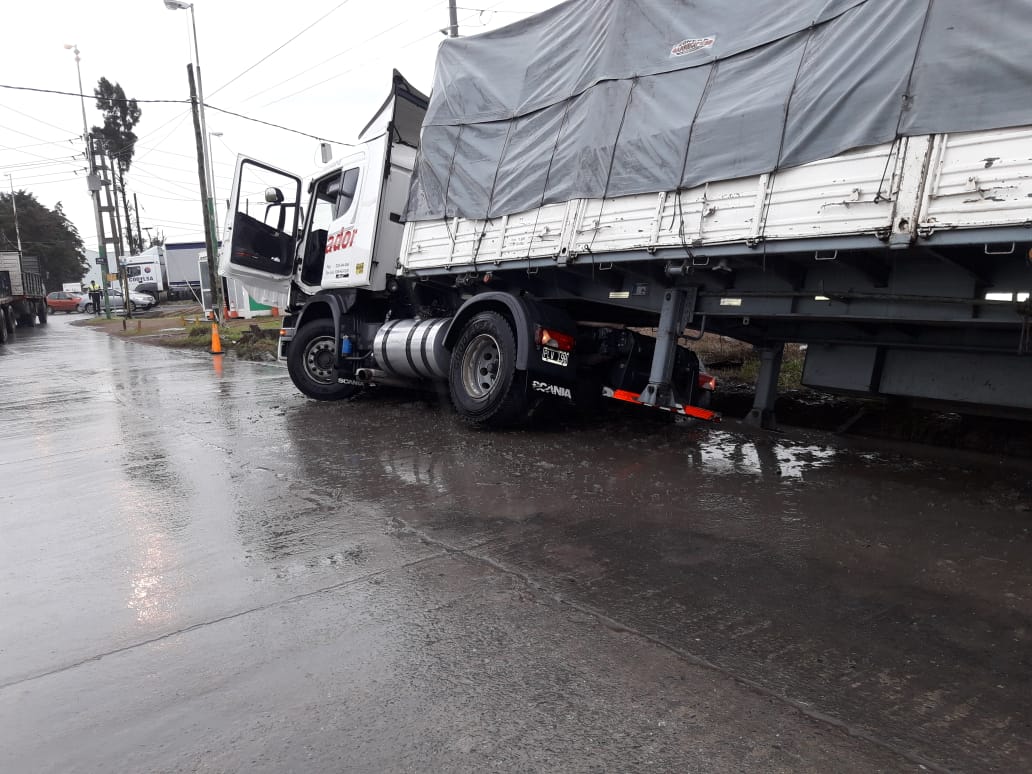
(47, 234)
(121, 116)
(117, 139)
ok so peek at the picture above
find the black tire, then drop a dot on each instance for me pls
(310, 363)
(486, 389)
(5, 333)
(9, 322)
(41, 313)
(89, 308)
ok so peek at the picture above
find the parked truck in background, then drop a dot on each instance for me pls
(22, 293)
(606, 168)
(146, 273)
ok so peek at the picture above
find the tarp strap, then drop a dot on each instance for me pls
(762, 226)
(548, 170)
(490, 197)
(612, 157)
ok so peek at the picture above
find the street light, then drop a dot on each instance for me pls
(93, 184)
(207, 176)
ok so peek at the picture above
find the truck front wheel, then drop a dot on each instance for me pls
(485, 386)
(310, 362)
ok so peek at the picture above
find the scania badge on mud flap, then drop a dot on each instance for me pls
(552, 389)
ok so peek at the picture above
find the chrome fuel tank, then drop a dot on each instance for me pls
(413, 349)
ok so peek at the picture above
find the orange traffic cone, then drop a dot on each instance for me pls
(216, 342)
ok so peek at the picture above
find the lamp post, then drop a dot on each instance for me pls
(207, 178)
(93, 184)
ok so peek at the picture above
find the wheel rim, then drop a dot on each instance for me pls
(480, 366)
(319, 357)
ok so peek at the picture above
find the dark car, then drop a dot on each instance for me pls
(60, 301)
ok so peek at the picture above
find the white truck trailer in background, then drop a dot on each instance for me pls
(511, 235)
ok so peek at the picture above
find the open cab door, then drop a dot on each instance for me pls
(259, 243)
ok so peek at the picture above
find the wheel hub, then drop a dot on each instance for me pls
(319, 360)
(480, 365)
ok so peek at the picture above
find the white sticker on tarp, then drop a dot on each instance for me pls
(692, 44)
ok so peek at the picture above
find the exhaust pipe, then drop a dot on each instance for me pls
(374, 376)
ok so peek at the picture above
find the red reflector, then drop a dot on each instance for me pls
(707, 382)
(627, 395)
(691, 411)
(699, 413)
(555, 339)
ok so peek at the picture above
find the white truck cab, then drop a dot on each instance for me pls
(339, 228)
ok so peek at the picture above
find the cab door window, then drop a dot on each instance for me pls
(265, 218)
(331, 199)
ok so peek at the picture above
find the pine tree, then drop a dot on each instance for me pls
(118, 140)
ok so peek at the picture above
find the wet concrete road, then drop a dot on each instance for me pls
(205, 572)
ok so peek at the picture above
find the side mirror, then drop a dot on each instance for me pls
(273, 196)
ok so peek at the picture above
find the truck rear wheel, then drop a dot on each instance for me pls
(486, 389)
(5, 332)
(41, 313)
(310, 362)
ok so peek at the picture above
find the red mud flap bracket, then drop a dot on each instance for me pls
(689, 411)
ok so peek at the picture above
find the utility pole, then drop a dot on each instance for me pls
(14, 204)
(93, 184)
(139, 232)
(453, 20)
(210, 240)
(129, 237)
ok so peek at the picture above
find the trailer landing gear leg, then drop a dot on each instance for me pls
(678, 305)
(762, 414)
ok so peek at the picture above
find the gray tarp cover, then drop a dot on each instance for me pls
(603, 98)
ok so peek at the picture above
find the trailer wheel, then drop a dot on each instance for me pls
(9, 323)
(41, 312)
(310, 362)
(5, 332)
(486, 389)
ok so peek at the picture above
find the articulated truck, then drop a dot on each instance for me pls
(22, 294)
(588, 190)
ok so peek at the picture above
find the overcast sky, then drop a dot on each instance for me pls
(327, 82)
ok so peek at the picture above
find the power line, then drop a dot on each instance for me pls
(38, 120)
(179, 102)
(184, 155)
(178, 169)
(331, 58)
(45, 142)
(277, 126)
(280, 47)
(352, 69)
(29, 166)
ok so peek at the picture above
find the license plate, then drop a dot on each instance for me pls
(555, 356)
